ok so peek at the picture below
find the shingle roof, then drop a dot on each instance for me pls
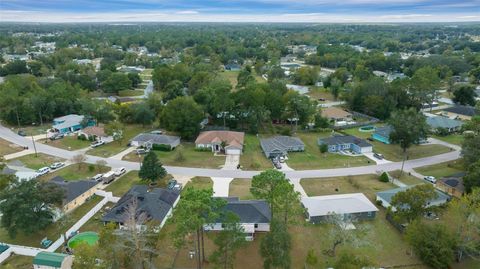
(462, 110)
(51, 259)
(443, 122)
(249, 211)
(73, 189)
(156, 203)
(230, 137)
(454, 182)
(346, 139)
(388, 194)
(280, 144)
(337, 204)
(156, 138)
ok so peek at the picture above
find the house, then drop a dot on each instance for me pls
(76, 192)
(233, 67)
(298, 88)
(347, 142)
(445, 123)
(351, 206)
(156, 205)
(278, 146)
(460, 112)
(131, 69)
(69, 123)
(95, 133)
(336, 115)
(52, 260)
(452, 185)
(228, 141)
(382, 134)
(385, 197)
(148, 140)
(255, 216)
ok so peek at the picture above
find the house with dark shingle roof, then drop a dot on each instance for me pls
(460, 112)
(76, 192)
(453, 185)
(445, 123)
(156, 205)
(339, 143)
(52, 260)
(254, 215)
(278, 146)
(147, 140)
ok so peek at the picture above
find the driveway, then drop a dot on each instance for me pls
(377, 161)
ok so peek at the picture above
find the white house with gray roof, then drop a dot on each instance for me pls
(385, 197)
(280, 145)
(445, 123)
(341, 143)
(147, 140)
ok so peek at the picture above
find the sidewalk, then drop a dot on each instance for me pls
(18, 154)
(120, 155)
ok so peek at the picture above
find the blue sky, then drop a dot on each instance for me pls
(241, 10)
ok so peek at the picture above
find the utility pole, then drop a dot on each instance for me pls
(34, 146)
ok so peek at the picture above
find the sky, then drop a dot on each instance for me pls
(321, 11)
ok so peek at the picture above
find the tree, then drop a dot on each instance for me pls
(13, 68)
(143, 114)
(228, 241)
(320, 121)
(472, 179)
(408, 127)
(349, 260)
(413, 202)
(135, 79)
(305, 76)
(465, 95)
(432, 243)
(28, 206)
(339, 235)
(79, 159)
(115, 129)
(275, 246)
(116, 82)
(182, 115)
(335, 86)
(425, 84)
(152, 169)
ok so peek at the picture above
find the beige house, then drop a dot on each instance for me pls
(228, 141)
(76, 192)
(452, 186)
(95, 133)
(336, 115)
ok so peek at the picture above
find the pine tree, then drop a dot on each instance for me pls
(152, 169)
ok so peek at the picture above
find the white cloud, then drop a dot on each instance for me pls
(186, 12)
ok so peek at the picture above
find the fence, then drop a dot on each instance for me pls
(371, 120)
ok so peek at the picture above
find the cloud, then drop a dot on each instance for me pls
(187, 12)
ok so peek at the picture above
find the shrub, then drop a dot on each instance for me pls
(82, 137)
(323, 148)
(384, 177)
(91, 167)
(161, 147)
(203, 149)
(286, 131)
(179, 156)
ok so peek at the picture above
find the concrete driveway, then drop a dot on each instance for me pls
(231, 162)
(377, 161)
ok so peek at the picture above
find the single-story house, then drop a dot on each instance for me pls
(70, 123)
(233, 67)
(385, 197)
(452, 185)
(228, 141)
(445, 123)
(460, 112)
(338, 143)
(76, 192)
(148, 140)
(52, 260)
(351, 206)
(95, 133)
(157, 205)
(255, 216)
(382, 134)
(278, 146)
(336, 114)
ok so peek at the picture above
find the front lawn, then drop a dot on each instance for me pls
(252, 157)
(68, 143)
(201, 183)
(406, 178)
(115, 147)
(442, 169)
(82, 171)
(240, 187)
(456, 139)
(8, 148)
(312, 158)
(121, 185)
(319, 92)
(17, 262)
(36, 162)
(32, 129)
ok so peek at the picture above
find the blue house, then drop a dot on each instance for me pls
(347, 142)
(382, 134)
(70, 123)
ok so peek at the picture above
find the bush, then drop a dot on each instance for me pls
(82, 137)
(323, 148)
(91, 167)
(286, 131)
(384, 177)
(203, 149)
(161, 147)
(179, 156)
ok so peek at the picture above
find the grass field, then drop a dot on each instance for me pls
(68, 143)
(312, 158)
(442, 169)
(115, 147)
(73, 172)
(8, 148)
(318, 92)
(253, 157)
(36, 162)
(32, 129)
(17, 262)
(406, 178)
(201, 183)
(127, 93)
(121, 185)
(240, 187)
(456, 139)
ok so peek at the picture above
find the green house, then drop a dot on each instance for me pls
(52, 260)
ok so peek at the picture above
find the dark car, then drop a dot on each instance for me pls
(22, 133)
(370, 139)
(378, 156)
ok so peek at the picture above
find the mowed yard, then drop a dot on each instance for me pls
(252, 157)
(35, 162)
(442, 169)
(8, 148)
(17, 262)
(81, 171)
(68, 142)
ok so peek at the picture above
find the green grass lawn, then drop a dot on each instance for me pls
(52, 231)
(406, 178)
(202, 183)
(32, 129)
(312, 158)
(36, 162)
(8, 148)
(319, 92)
(17, 262)
(115, 147)
(68, 143)
(231, 76)
(253, 157)
(73, 172)
(121, 185)
(456, 139)
(127, 93)
(240, 187)
(191, 157)
(442, 169)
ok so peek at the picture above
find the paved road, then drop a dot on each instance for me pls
(8, 135)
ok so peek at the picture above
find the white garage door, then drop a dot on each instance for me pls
(233, 151)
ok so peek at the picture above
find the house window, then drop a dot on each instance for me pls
(223, 226)
(256, 225)
(369, 213)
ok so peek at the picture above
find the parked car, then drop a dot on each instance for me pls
(108, 177)
(171, 184)
(142, 151)
(97, 177)
(56, 136)
(42, 171)
(158, 132)
(378, 156)
(97, 144)
(322, 99)
(120, 171)
(430, 179)
(22, 133)
(56, 165)
(276, 163)
(281, 159)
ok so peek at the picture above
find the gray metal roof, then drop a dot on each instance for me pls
(337, 204)
(249, 211)
(156, 139)
(67, 121)
(443, 122)
(73, 189)
(155, 203)
(281, 144)
(345, 139)
(388, 195)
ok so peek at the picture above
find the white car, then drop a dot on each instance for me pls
(42, 171)
(56, 165)
(97, 144)
(97, 177)
(120, 171)
(430, 179)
